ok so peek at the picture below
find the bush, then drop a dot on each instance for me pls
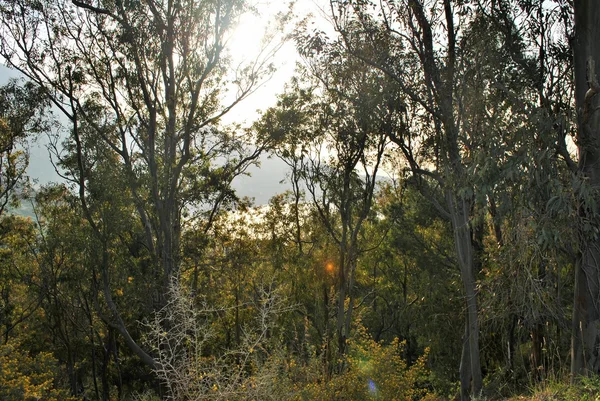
(181, 333)
(26, 377)
(375, 372)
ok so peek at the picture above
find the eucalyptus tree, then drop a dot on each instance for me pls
(563, 35)
(145, 83)
(586, 312)
(538, 200)
(328, 129)
(459, 96)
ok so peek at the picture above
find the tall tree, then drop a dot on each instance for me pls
(145, 81)
(585, 358)
(458, 84)
(22, 114)
(330, 133)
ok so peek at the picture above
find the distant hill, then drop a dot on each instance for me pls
(24, 210)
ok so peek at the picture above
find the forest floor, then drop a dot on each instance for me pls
(562, 392)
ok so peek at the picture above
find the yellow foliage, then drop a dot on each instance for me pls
(26, 378)
(374, 372)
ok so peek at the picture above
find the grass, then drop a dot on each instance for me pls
(587, 389)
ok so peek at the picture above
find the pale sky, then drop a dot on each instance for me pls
(244, 45)
(266, 180)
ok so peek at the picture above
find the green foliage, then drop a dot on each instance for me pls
(23, 114)
(475, 132)
(375, 371)
(584, 389)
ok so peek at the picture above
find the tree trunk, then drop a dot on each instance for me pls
(512, 340)
(585, 339)
(344, 315)
(94, 362)
(341, 310)
(104, 368)
(459, 210)
(465, 365)
(537, 346)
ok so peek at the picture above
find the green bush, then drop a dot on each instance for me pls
(375, 372)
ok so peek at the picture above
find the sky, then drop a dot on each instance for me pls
(266, 180)
(40, 167)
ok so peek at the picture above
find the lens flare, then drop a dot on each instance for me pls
(372, 387)
(329, 267)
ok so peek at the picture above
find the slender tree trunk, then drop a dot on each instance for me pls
(114, 349)
(473, 327)
(72, 371)
(511, 345)
(537, 345)
(238, 328)
(104, 368)
(326, 338)
(344, 315)
(459, 210)
(585, 340)
(465, 365)
(341, 335)
(538, 332)
(94, 362)
(351, 265)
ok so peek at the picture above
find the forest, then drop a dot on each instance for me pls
(439, 238)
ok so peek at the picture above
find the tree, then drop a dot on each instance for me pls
(458, 80)
(586, 312)
(331, 136)
(142, 83)
(416, 288)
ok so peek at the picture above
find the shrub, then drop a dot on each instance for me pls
(27, 377)
(374, 372)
